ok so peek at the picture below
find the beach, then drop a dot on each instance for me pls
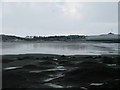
(59, 44)
(60, 71)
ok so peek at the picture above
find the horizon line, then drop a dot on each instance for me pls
(58, 35)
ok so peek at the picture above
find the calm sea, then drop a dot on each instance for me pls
(62, 48)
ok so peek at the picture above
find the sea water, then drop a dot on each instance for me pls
(62, 48)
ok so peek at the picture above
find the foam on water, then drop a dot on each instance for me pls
(54, 85)
(55, 69)
(57, 76)
(9, 68)
(97, 84)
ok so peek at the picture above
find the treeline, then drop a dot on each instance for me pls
(55, 38)
(9, 38)
(5, 38)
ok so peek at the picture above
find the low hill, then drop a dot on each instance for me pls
(9, 38)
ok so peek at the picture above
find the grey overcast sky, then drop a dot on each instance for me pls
(59, 18)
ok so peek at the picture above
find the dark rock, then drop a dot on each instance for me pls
(7, 61)
(63, 56)
(108, 60)
(88, 72)
(13, 80)
(30, 67)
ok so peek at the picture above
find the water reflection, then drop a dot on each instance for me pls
(59, 48)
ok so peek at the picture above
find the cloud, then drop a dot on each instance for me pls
(60, 0)
(71, 9)
(50, 18)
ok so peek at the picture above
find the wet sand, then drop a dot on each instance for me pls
(85, 72)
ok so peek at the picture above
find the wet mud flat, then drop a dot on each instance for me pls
(85, 72)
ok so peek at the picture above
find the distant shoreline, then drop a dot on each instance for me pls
(107, 38)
